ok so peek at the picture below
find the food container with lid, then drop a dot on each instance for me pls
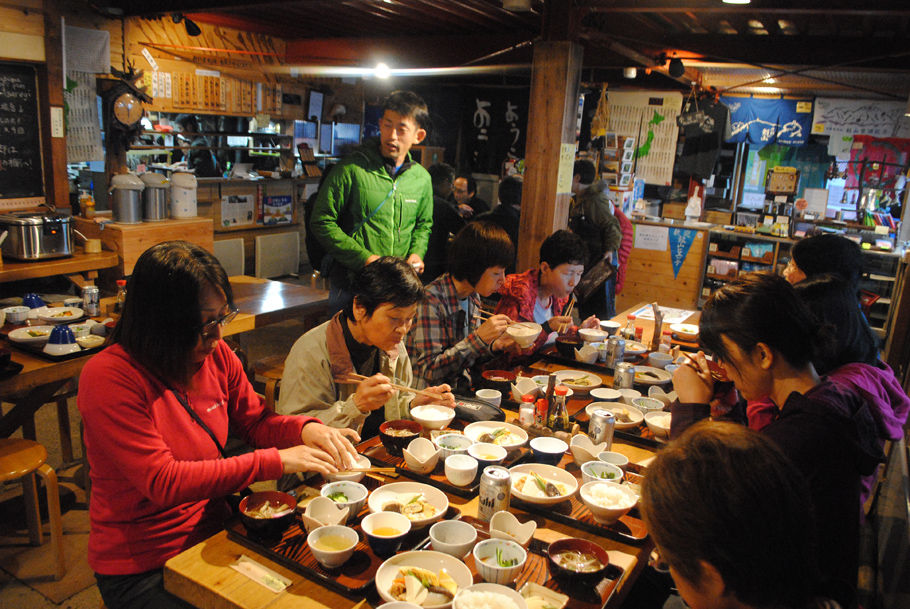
(183, 195)
(155, 196)
(37, 236)
(126, 198)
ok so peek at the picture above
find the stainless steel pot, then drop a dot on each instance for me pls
(36, 236)
(127, 206)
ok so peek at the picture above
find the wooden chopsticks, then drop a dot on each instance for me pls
(568, 312)
(357, 378)
(693, 364)
(372, 470)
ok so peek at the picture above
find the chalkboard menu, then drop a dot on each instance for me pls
(20, 140)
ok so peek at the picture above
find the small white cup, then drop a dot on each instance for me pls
(461, 469)
(490, 396)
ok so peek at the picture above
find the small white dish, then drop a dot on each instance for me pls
(421, 455)
(647, 405)
(659, 423)
(609, 326)
(658, 393)
(33, 335)
(659, 360)
(584, 449)
(505, 525)
(635, 348)
(61, 348)
(525, 333)
(586, 354)
(331, 559)
(523, 386)
(486, 555)
(626, 416)
(487, 454)
(361, 463)
(461, 469)
(539, 597)
(433, 416)
(398, 491)
(686, 332)
(617, 459)
(355, 492)
(625, 499)
(90, 342)
(606, 394)
(453, 537)
(517, 599)
(16, 314)
(629, 394)
(322, 511)
(593, 335)
(578, 380)
(649, 375)
(59, 315)
(600, 470)
(452, 444)
(490, 396)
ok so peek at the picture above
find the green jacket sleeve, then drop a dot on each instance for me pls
(423, 223)
(327, 220)
(610, 231)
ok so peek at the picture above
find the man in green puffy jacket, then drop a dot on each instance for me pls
(377, 201)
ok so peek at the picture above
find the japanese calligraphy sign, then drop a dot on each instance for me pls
(839, 117)
(20, 145)
(495, 124)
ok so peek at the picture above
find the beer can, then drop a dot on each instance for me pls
(91, 300)
(495, 492)
(616, 351)
(601, 426)
(623, 375)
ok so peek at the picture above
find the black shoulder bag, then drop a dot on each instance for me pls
(233, 499)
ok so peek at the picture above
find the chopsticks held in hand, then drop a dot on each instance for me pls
(567, 312)
(694, 364)
(372, 470)
(353, 379)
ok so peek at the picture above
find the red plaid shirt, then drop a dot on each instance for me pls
(440, 348)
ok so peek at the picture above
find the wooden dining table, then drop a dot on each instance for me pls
(261, 302)
(202, 575)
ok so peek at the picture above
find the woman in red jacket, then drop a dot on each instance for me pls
(157, 405)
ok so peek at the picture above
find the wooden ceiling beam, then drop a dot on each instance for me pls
(880, 9)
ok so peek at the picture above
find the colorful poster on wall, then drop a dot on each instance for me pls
(649, 117)
(277, 210)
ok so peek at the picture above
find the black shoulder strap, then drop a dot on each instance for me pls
(186, 406)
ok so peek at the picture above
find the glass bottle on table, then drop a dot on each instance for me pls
(121, 296)
(666, 341)
(628, 332)
(559, 413)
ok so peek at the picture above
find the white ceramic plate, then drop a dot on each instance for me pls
(60, 315)
(566, 377)
(649, 375)
(548, 472)
(519, 439)
(635, 348)
(390, 492)
(632, 413)
(26, 335)
(425, 559)
(542, 380)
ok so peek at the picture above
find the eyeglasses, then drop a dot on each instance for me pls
(208, 328)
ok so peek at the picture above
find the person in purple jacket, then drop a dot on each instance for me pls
(763, 337)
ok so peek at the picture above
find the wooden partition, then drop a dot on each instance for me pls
(650, 276)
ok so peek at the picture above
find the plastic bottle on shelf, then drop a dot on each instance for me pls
(87, 203)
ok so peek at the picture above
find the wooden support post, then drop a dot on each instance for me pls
(555, 78)
(51, 94)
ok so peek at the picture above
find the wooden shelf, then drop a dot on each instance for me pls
(726, 255)
(763, 260)
(12, 270)
(716, 277)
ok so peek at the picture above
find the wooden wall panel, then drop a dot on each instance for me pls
(649, 277)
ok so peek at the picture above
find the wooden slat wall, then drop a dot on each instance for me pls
(649, 277)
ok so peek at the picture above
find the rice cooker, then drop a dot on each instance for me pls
(37, 236)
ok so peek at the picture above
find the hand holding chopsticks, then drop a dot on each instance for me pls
(359, 378)
(567, 313)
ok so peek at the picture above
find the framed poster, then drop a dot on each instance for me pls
(314, 108)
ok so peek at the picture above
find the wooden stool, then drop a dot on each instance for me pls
(271, 369)
(23, 459)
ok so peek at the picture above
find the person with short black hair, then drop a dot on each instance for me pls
(464, 193)
(156, 406)
(764, 338)
(365, 338)
(449, 337)
(731, 517)
(541, 295)
(377, 201)
(199, 156)
(508, 213)
(446, 221)
(822, 254)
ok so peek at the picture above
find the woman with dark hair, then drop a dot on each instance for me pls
(449, 337)
(157, 405)
(704, 499)
(365, 338)
(823, 254)
(762, 335)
